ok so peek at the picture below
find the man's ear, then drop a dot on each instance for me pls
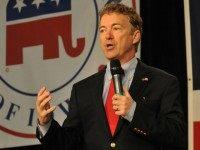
(136, 36)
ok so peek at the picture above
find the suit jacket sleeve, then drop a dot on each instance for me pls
(164, 125)
(69, 136)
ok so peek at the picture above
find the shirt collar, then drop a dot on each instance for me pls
(130, 65)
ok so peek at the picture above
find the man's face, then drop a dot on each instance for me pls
(117, 38)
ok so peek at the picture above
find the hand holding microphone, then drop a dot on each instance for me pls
(122, 100)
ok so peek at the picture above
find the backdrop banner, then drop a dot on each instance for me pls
(52, 43)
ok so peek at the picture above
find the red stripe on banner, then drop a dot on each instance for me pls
(19, 134)
(197, 135)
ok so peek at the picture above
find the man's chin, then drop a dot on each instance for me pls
(111, 58)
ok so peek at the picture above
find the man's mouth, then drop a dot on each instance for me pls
(109, 46)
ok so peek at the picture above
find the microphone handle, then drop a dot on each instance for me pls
(117, 79)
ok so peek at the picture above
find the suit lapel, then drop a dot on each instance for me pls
(140, 81)
(97, 88)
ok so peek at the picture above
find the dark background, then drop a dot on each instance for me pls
(163, 42)
(195, 31)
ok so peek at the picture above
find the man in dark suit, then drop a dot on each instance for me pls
(148, 116)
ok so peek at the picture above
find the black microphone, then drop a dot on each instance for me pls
(117, 74)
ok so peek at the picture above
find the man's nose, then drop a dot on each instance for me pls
(109, 34)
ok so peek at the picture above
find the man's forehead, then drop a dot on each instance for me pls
(114, 14)
(114, 18)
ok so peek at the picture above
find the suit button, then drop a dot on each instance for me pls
(135, 129)
(112, 145)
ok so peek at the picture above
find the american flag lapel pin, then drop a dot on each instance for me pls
(145, 79)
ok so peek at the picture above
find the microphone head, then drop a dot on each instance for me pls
(115, 67)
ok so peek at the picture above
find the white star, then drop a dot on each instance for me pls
(19, 5)
(57, 1)
(38, 2)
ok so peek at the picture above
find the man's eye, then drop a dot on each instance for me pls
(101, 30)
(116, 28)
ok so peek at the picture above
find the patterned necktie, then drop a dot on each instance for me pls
(111, 116)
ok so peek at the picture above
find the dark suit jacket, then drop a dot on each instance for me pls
(157, 124)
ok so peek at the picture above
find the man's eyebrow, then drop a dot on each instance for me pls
(101, 27)
(116, 24)
(111, 25)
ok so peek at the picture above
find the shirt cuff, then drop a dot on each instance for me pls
(130, 114)
(44, 129)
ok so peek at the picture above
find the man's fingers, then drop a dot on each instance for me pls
(44, 95)
(45, 101)
(50, 110)
(115, 107)
(118, 112)
(116, 102)
(115, 97)
(41, 91)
